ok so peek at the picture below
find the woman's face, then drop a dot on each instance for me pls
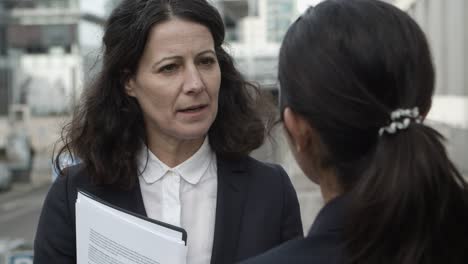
(177, 81)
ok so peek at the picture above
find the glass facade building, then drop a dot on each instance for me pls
(280, 14)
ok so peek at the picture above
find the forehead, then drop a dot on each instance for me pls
(176, 35)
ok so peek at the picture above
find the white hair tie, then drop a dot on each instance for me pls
(401, 119)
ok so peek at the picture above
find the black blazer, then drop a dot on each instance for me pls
(323, 245)
(257, 209)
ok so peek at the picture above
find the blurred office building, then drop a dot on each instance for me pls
(255, 29)
(41, 44)
(43, 53)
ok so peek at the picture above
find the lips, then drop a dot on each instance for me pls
(193, 108)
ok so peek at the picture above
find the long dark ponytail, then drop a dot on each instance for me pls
(345, 66)
(409, 206)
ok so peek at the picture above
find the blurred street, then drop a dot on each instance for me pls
(19, 212)
(21, 205)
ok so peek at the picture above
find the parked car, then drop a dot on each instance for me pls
(14, 251)
(20, 154)
(65, 161)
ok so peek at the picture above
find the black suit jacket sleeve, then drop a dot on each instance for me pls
(55, 237)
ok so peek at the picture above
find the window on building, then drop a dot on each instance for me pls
(54, 3)
(279, 16)
(10, 4)
(3, 41)
(5, 73)
(38, 38)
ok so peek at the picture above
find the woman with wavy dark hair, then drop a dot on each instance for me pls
(165, 132)
(356, 82)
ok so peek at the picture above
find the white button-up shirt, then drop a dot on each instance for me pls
(183, 196)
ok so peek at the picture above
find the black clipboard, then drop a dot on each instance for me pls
(163, 224)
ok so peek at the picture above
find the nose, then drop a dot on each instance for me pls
(193, 81)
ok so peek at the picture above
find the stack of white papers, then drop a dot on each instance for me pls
(106, 234)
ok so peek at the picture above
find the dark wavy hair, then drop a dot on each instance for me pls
(107, 128)
(345, 65)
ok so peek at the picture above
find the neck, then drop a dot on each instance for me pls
(173, 152)
(329, 185)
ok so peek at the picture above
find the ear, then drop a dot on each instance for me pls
(130, 85)
(298, 129)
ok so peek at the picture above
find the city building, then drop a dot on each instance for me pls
(279, 16)
(47, 49)
(255, 29)
(41, 40)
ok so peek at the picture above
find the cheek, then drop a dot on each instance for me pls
(214, 84)
(157, 92)
(155, 102)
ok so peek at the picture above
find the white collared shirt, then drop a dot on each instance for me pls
(183, 196)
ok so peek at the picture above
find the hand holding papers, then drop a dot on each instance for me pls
(105, 235)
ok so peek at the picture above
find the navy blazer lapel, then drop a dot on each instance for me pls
(232, 181)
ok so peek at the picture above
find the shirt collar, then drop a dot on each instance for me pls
(190, 170)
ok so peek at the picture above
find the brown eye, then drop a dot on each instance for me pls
(207, 61)
(169, 68)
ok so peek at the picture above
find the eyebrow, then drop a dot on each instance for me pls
(178, 57)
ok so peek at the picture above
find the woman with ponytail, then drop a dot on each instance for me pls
(356, 81)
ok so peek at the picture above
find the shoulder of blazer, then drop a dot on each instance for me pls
(76, 175)
(72, 179)
(247, 170)
(249, 164)
(76, 178)
(264, 171)
(241, 182)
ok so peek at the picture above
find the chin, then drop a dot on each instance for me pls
(192, 134)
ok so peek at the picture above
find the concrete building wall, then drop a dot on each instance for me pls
(446, 26)
(54, 81)
(279, 15)
(466, 47)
